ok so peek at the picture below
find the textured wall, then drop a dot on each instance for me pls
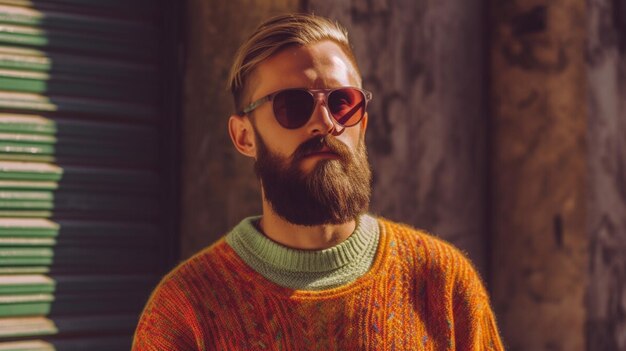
(607, 164)
(539, 169)
(423, 60)
(218, 185)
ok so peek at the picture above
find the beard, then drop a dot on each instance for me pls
(335, 191)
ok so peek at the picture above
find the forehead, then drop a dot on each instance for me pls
(320, 65)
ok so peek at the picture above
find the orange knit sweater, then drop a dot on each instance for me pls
(420, 294)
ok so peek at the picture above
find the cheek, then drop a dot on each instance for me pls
(351, 137)
(279, 142)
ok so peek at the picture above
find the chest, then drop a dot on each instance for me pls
(394, 312)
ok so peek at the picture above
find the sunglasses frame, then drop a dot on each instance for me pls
(315, 93)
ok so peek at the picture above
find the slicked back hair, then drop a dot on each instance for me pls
(276, 34)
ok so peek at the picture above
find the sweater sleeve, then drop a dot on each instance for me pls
(473, 314)
(165, 323)
(472, 319)
(490, 338)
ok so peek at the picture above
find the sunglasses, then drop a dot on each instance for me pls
(294, 107)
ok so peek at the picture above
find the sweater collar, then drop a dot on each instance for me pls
(247, 237)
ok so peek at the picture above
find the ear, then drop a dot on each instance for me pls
(242, 135)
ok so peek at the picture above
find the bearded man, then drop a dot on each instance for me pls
(315, 271)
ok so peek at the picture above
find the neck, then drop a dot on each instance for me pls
(301, 237)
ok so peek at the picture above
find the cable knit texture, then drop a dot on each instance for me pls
(307, 270)
(419, 294)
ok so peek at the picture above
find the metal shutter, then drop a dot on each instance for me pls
(80, 178)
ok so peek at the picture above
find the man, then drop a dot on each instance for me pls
(315, 271)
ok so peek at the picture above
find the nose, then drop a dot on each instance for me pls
(322, 122)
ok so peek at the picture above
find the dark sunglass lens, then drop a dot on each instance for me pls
(293, 107)
(347, 106)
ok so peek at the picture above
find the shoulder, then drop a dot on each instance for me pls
(449, 285)
(174, 302)
(441, 262)
(188, 284)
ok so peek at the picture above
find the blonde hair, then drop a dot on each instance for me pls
(276, 34)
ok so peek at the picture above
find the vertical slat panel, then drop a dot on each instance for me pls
(79, 177)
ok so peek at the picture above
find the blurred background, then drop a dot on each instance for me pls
(497, 125)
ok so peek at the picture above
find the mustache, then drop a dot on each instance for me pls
(316, 144)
